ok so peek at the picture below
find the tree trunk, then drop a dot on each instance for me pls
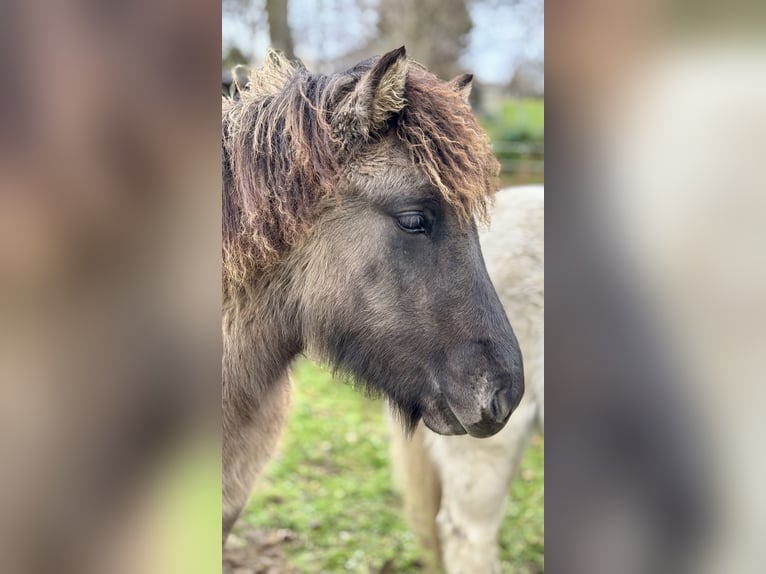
(279, 28)
(434, 31)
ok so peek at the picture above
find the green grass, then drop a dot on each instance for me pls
(331, 484)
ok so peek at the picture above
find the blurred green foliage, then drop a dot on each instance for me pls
(517, 131)
(517, 120)
(331, 484)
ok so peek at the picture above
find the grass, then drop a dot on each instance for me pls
(331, 484)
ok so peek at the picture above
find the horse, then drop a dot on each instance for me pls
(456, 488)
(350, 213)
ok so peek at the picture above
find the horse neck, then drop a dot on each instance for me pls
(261, 337)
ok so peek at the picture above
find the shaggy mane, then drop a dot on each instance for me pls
(281, 154)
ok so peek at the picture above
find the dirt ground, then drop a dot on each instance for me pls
(256, 551)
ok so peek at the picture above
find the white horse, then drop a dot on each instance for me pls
(456, 487)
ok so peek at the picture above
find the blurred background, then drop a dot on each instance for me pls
(327, 502)
(110, 260)
(655, 286)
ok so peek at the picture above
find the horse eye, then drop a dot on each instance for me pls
(412, 222)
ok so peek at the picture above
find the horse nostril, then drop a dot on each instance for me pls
(501, 405)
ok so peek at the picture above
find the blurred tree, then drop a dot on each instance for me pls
(434, 31)
(257, 14)
(234, 57)
(528, 79)
(279, 29)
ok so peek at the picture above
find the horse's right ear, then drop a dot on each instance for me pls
(462, 85)
(377, 97)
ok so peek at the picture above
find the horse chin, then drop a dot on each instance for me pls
(443, 422)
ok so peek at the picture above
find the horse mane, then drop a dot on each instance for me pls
(283, 151)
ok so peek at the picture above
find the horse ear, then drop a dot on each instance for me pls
(379, 94)
(462, 85)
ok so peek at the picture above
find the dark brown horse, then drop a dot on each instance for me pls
(350, 204)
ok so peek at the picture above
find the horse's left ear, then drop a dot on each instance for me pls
(462, 85)
(377, 97)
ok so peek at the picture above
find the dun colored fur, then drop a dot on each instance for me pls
(349, 232)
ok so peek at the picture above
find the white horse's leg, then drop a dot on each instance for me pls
(475, 477)
(418, 480)
(249, 440)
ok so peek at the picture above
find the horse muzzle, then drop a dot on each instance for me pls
(494, 415)
(444, 422)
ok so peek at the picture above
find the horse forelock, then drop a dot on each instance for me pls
(444, 139)
(284, 150)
